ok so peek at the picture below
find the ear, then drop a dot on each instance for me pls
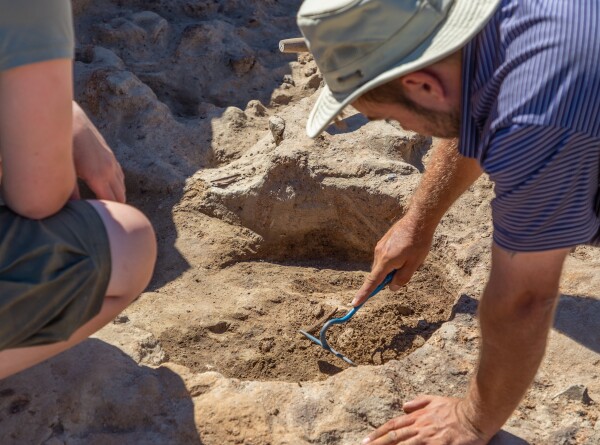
(425, 89)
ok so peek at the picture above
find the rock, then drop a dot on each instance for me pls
(564, 436)
(298, 415)
(96, 394)
(318, 311)
(281, 97)
(255, 108)
(105, 57)
(121, 318)
(289, 79)
(53, 441)
(575, 393)
(277, 128)
(310, 70)
(266, 344)
(242, 65)
(234, 117)
(140, 345)
(313, 82)
(418, 341)
(218, 328)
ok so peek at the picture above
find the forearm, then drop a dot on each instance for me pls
(81, 122)
(515, 321)
(447, 176)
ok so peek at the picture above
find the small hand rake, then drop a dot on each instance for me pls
(322, 340)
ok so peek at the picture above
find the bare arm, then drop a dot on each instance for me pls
(36, 137)
(406, 245)
(447, 177)
(516, 313)
(95, 162)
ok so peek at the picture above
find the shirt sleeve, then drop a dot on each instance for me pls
(546, 184)
(35, 31)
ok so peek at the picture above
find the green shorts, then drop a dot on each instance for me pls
(53, 274)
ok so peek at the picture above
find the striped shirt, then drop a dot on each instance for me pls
(531, 117)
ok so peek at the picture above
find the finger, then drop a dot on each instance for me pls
(390, 431)
(120, 173)
(102, 190)
(372, 280)
(121, 176)
(394, 437)
(416, 404)
(118, 190)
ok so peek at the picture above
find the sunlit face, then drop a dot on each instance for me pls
(424, 122)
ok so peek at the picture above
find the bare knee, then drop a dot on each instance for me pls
(132, 245)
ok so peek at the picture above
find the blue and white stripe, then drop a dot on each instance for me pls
(531, 116)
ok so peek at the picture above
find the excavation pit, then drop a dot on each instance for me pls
(259, 340)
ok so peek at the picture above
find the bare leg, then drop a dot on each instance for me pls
(133, 253)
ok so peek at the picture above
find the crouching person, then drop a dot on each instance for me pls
(67, 266)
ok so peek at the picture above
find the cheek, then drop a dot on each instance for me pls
(411, 122)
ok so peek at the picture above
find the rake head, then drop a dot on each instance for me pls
(322, 340)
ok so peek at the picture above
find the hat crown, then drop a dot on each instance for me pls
(350, 39)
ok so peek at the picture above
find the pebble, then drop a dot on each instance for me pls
(288, 79)
(120, 319)
(256, 108)
(218, 328)
(277, 127)
(576, 393)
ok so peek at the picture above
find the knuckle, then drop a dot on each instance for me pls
(371, 278)
(386, 257)
(392, 435)
(396, 423)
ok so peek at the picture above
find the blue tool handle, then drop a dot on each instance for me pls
(387, 280)
(349, 315)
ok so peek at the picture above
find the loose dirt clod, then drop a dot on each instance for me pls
(277, 127)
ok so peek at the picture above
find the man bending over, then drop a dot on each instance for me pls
(514, 87)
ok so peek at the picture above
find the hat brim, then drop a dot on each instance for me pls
(464, 21)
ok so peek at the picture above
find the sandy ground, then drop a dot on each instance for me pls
(263, 232)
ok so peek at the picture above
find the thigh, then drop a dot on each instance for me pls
(54, 274)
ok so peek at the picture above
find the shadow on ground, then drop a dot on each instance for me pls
(578, 317)
(95, 394)
(506, 438)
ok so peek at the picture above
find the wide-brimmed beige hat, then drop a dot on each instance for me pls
(361, 44)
